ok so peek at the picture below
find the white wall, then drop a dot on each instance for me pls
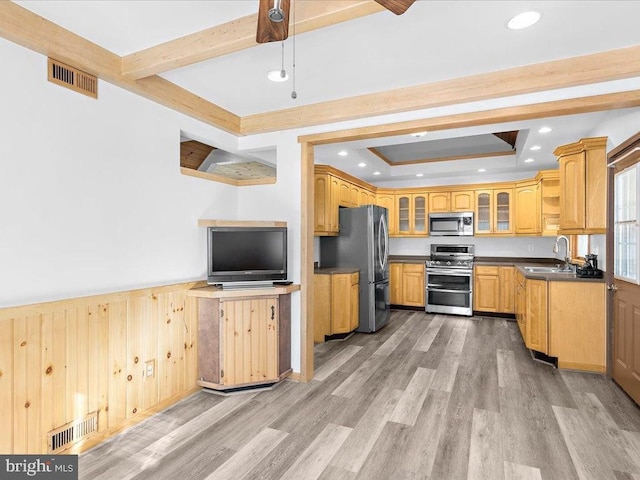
(91, 196)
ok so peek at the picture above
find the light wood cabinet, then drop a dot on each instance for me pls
(336, 304)
(411, 210)
(395, 283)
(577, 325)
(536, 316)
(439, 202)
(549, 202)
(583, 186)
(494, 212)
(388, 200)
(527, 208)
(494, 288)
(325, 212)
(531, 312)
(243, 341)
(464, 201)
(332, 192)
(565, 320)
(406, 282)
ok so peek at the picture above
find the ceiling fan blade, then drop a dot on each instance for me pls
(268, 30)
(396, 6)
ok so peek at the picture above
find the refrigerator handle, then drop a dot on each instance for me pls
(382, 232)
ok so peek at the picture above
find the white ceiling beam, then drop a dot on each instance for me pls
(237, 35)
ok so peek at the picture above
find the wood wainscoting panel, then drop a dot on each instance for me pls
(61, 360)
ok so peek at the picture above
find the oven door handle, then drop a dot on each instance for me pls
(456, 273)
(448, 291)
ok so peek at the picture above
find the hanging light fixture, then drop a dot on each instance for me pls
(276, 14)
(294, 94)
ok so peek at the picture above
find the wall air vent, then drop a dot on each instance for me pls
(72, 78)
(63, 437)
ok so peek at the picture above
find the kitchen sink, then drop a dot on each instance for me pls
(548, 270)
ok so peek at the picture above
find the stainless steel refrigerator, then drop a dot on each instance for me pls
(363, 243)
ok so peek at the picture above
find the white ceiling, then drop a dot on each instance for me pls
(432, 41)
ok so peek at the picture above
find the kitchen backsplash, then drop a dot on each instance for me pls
(530, 247)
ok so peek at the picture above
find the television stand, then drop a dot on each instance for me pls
(241, 327)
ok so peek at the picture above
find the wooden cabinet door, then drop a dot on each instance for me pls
(355, 301)
(388, 200)
(484, 202)
(520, 306)
(413, 291)
(440, 202)
(322, 204)
(365, 196)
(486, 288)
(527, 207)
(335, 186)
(395, 283)
(463, 201)
(341, 303)
(345, 194)
(249, 340)
(537, 320)
(371, 198)
(572, 191)
(506, 278)
(502, 212)
(403, 209)
(419, 214)
(355, 195)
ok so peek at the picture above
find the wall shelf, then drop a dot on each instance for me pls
(203, 222)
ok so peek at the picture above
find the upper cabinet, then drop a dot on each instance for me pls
(494, 212)
(411, 210)
(387, 199)
(583, 186)
(527, 207)
(332, 191)
(440, 202)
(463, 201)
(549, 202)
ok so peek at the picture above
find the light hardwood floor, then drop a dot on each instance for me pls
(427, 397)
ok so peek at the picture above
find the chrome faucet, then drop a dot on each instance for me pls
(567, 258)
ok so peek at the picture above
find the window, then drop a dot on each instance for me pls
(627, 225)
(580, 246)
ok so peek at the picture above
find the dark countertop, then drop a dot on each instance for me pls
(335, 270)
(518, 262)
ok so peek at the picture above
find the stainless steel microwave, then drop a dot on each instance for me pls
(451, 224)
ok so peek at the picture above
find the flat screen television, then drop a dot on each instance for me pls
(246, 254)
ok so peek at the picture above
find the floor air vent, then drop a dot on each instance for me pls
(73, 78)
(63, 437)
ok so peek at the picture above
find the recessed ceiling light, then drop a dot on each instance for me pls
(343, 153)
(535, 147)
(544, 130)
(276, 76)
(419, 174)
(524, 20)
(362, 164)
(418, 134)
(482, 170)
(376, 173)
(529, 160)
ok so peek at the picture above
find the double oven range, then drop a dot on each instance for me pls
(449, 279)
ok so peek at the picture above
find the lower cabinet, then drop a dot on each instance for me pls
(565, 320)
(406, 282)
(336, 304)
(243, 341)
(494, 288)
